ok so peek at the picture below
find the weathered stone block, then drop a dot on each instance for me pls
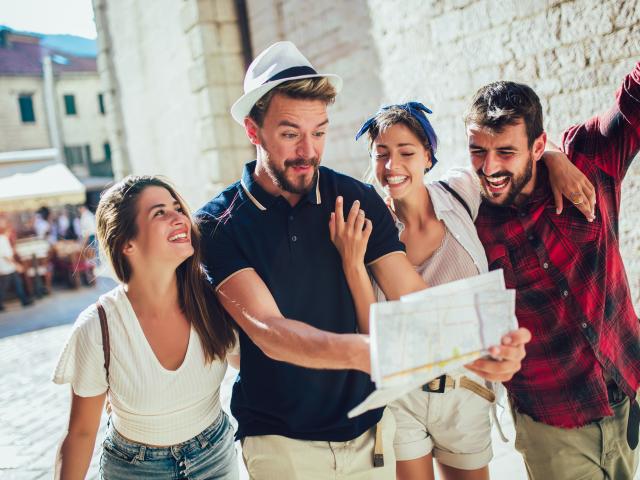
(188, 14)
(197, 75)
(447, 27)
(230, 38)
(225, 10)
(233, 66)
(594, 19)
(627, 13)
(222, 130)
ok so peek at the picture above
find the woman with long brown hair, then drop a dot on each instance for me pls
(164, 352)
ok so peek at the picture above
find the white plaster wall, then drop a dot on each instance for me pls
(151, 61)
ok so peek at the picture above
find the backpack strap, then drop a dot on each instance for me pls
(104, 327)
(457, 196)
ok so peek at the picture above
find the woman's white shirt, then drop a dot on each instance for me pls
(455, 217)
(150, 404)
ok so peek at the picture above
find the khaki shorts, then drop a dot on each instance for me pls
(597, 451)
(455, 426)
(274, 457)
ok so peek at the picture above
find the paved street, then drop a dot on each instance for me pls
(33, 411)
(61, 307)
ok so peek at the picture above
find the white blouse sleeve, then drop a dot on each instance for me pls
(81, 362)
(465, 182)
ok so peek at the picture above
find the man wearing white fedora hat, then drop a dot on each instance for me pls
(268, 252)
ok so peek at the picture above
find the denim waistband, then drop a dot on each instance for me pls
(212, 434)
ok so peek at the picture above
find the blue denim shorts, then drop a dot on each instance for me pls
(210, 454)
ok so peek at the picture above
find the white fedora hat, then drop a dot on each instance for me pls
(279, 63)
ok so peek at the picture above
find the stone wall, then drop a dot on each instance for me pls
(171, 70)
(216, 76)
(150, 61)
(573, 53)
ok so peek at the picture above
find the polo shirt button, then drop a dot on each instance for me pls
(294, 238)
(530, 237)
(545, 265)
(290, 217)
(523, 214)
(584, 325)
(565, 293)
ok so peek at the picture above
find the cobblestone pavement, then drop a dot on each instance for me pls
(61, 307)
(34, 411)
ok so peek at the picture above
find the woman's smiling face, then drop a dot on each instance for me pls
(163, 229)
(399, 161)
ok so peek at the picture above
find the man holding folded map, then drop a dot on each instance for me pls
(436, 330)
(574, 400)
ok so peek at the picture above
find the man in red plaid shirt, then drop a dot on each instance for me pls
(574, 401)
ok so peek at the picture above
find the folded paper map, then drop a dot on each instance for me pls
(435, 331)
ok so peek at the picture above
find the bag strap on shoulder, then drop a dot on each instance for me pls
(457, 196)
(104, 327)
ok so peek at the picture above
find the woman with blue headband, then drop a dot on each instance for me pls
(449, 418)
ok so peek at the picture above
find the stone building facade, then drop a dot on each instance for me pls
(174, 69)
(16, 134)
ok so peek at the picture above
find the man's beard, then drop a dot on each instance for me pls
(279, 178)
(517, 184)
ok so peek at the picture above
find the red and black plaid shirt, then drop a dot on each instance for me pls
(572, 289)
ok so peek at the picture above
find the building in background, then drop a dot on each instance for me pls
(52, 109)
(173, 68)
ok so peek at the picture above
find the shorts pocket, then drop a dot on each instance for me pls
(110, 448)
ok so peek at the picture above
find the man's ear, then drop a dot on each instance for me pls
(539, 144)
(251, 129)
(128, 248)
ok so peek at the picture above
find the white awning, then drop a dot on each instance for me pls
(51, 186)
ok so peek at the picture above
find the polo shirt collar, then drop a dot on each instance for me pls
(263, 200)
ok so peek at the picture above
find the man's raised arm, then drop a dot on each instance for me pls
(611, 139)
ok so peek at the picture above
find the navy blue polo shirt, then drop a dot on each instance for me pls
(290, 249)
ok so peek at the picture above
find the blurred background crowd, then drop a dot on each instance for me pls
(38, 248)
